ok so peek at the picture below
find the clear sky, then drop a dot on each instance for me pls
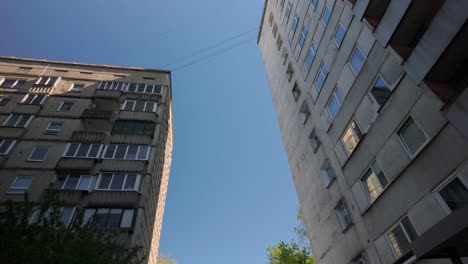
(230, 193)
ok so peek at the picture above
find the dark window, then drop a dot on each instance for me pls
(133, 127)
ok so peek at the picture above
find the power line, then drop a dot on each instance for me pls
(203, 50)
(213, 55)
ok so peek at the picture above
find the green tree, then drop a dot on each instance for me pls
(289, 254)
(301, 231)
(49, 240)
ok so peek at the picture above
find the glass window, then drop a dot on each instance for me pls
(38, 154)
(412, 136)
(117, 181)
(141, 88)
(72, 148)
(132, 152)
(357, 60)
(294, 25)
(321, 76)
(85, 183)
(343, 216)
(101, 217)
(314, 141)
(139, 106)
(351, 137)
(34, 99)
(6, 145)
(132, 87)
(374, 181)
(12, 83)
(314, 3)
(130, 182)
(67, 215)
(401, 236)
(455, 194)
(380, 91)
(339, 35)
(66, 106)
(83, 150)
(303, 36)
(120, 153)
(59, 182)
(76, 88)
(110, 151)
(72, 182)
(326, 15)
(105, 180)
(54, 128)
(94, 151)
(335, 103)
(20, 185)
(18, 120)
(127, 218)
(304, 113)
(113, 220)
(288, 10)
(4, 101)
(311, 55)
(327, 173)
(143, 153)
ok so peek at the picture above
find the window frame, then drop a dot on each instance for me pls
(148, 152)
(78, 183)
(289, 10)
(394, 227)
(311, 54)
(4, 101)
(380, 77)
(336, 32)
(47, 83)
(325, 8)
(74, 156)
(325, 75)
(333, 96)
(404, 144)
(33, 152)
(367, 174)
(10, 147)
(49, 131)
(313, 137)
(354, 135)
(124, 105)
(15, 83)
(23, 189)
(342, 210)
(327, 171)
(296, 91)
(445, 183)
(351, 57)
(304, 112)
(295, 24)
(136, 187)
(73, 90)
(34, 96)
(59, 109)
(87, 218)
(303, 36)
(18, 121)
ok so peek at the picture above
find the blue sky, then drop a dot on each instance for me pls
(230, 191)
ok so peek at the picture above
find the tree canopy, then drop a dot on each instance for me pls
(291, 253)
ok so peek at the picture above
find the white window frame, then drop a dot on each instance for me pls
(379, 76)
(5, 98)
(289, 10)
(323, 13)
(124, 105)
(112, 86)
(10, 147)
(314, 4)
(320, 72)
(147, 86)
(104, 152)
(355, 137)
(23, 189)
(389, 243)
(364, 185)
(50, 131)
(73, 90)
(442, 185)
(312, 50)
(34, 150)
(350, 58)
(15, 83)
(295, 24)
(34, 95)
(93, 212)
(342, 209)
(135, 188)
(324, 170)
(49, 78)
(17, 122)
(303, 36)
(402, 141)
(77, 184)
(59, 109)
(336, 31)
(87, 153)
(333, 95)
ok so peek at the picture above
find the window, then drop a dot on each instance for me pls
(314, 3)
(294, 25)
(326, 15)
(4, 101)
(351, 137)
(66, 215)
(335, 103)
(314, 141)
(285, 56)
(18, 120)
(359, 260)
(412, 136)
(82, 150)
(6, 145)
(279, 42)
(47, 80)
(311, 55)
(304, 113)
(38, 154)
(321, 76)
(303, 36)
(275, 30)
(133, 128)
(73, 182)
(282, 4)
(401, 236)
(357, 60)
(343, 216)
(139, 106)
(128, 152)
(113, 86)
(288, 10)
(65, 106)
(327, 172)
(34, 99)
(296, 92)
(374, 181)
(53, 128)
(380, 91)
(454, 195)
(270, 19)
(77, 88)
(289, 72)
(109, 218)
(12, 83)
(20, 185)
(144, 88)
(339, 35)
(118, 181)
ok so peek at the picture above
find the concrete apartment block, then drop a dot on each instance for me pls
(101, 135)
(372, 106)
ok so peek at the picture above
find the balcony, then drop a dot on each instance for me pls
(75, 164)
(107, 94)
(140, 116)
(97, 119)
(42, 89)
(113, 198)
(143, 97)
(131, 139)
(123, 165)
(31, 109)
(93, 113)
(88, 136)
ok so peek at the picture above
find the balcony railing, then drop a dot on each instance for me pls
(88, 136)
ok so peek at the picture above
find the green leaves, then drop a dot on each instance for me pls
(288, 254)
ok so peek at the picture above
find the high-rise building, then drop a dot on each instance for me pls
(101, 135)
(372, 106)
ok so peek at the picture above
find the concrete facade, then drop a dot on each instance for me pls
(372, 106)
(120, 121)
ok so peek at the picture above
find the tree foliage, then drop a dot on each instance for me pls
(289, 254)
(301, 231)
(51, 241)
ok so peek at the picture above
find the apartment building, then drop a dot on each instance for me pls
(372, 106)
(100, 135)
